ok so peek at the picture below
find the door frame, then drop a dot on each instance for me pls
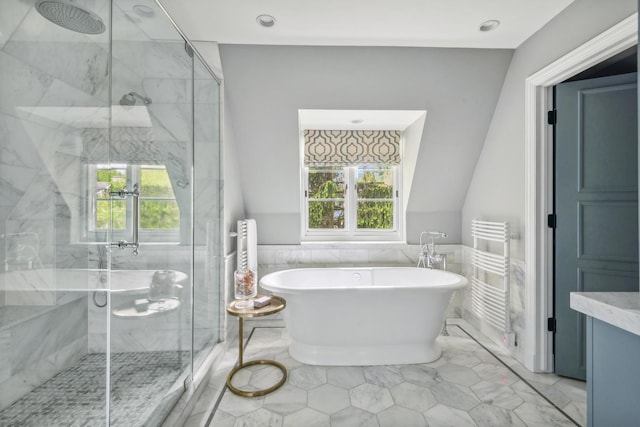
(538, 348)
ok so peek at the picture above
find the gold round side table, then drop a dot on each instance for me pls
(277, 304)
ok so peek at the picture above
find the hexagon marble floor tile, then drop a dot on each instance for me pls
(472, 384)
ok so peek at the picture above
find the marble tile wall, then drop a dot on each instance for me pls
(513, 344)
(279, 257)
(170, 331)
(230, 324)
(39, 343)
(52, 72)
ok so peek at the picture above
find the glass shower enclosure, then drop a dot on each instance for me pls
(110, 212)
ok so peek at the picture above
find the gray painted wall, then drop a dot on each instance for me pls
(266, 85)
(233, 195)
(497, 189)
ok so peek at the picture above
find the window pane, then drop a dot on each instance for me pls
(374, 182)
(159, 214)
(326, 183)
(375, 215)
(108, 179)
(113, 179)
(119, 214)
(326, 215)
(155, 182)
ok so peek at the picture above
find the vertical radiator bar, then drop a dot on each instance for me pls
(247, 247)
(490, 302)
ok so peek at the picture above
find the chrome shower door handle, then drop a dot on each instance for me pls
(135, 244)
(136, 219)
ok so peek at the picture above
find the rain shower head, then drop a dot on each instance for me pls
(130, 99)
(67, 15)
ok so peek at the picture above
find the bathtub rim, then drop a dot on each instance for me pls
(265, 282)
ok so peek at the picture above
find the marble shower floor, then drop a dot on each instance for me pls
(76, 396)
(467, 386)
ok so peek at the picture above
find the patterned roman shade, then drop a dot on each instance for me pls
(351, 147)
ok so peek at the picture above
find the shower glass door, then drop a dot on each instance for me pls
(151, 214)
(54, 116)
(109, 213)
(207, 273)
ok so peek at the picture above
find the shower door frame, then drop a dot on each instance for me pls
(188, 373)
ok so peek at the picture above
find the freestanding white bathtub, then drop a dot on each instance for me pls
(364, 316)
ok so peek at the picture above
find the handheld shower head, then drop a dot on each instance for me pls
(129, 99)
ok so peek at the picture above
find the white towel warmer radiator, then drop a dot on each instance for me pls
(490, 299)
(247, 248)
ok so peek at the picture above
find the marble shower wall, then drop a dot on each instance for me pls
(54, 83)
(37, 344)
(170, 331)
(52, 80)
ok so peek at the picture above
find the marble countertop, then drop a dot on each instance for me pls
(621, 309)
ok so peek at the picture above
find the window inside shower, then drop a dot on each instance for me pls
(158, 209)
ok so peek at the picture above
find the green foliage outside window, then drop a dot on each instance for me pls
(155, 183)
(375, 215)
(374, 189)
(158, 214)
(157, 205)
(375, 183)
(326, 213)
(110, 180)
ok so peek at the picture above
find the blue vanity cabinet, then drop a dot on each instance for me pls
(613, 375)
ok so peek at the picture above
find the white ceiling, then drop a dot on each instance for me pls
(358, 119)
(432, 23)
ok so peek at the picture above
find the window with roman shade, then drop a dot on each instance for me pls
(351, 184)
(351, 147)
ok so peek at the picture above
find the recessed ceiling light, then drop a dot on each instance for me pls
(266, 20)
(143, 10)
(492, 24)
(357, 121)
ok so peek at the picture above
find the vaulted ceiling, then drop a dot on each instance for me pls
(434, 23)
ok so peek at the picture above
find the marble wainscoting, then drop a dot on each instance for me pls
(515, 346)
(230, 323)
(281, 257)
(37, 342)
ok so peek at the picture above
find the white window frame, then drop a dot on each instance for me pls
(350, 232)
(133, 172)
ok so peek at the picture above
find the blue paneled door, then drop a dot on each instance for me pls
(596, 203)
